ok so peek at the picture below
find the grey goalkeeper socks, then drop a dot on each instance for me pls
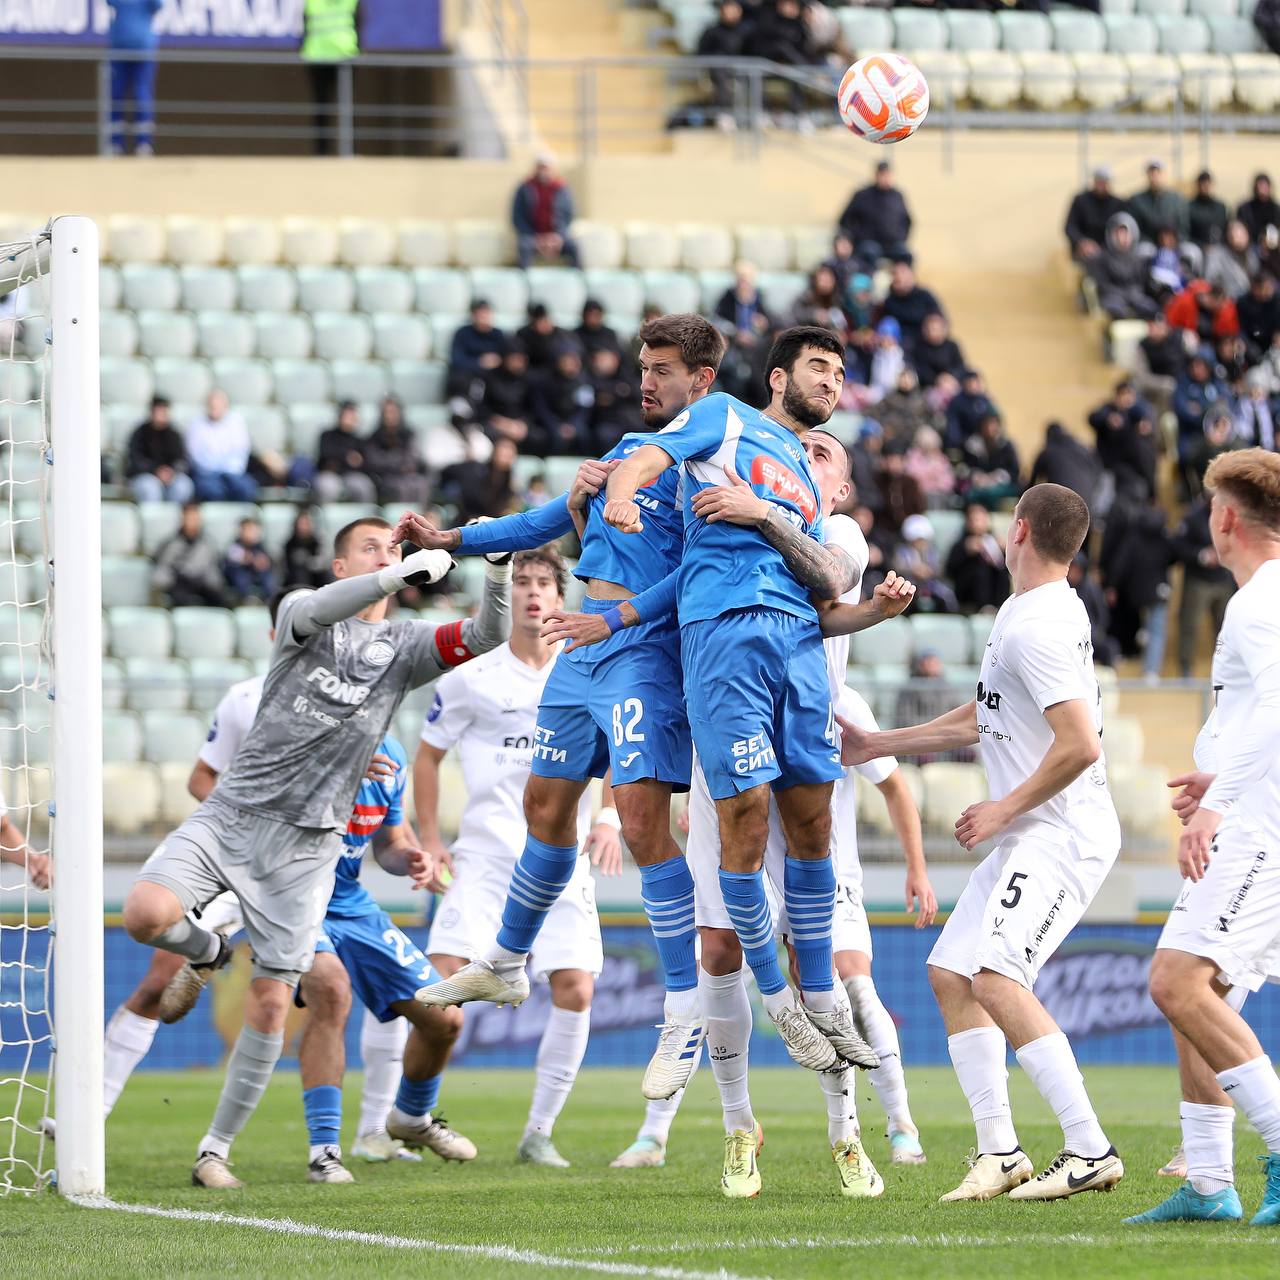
(249, 1069)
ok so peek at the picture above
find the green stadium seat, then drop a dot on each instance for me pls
(1211, 9)
(1118, 6)
(599, 244)
(121, 529)
(711, 287)
(177, 804)
(361, 380)
(246, 382)
(809, 246)
(193, 241)
(200, 632)
(131, 800)
(651, 246)
(267, 427)
(252, 625)
(442, 291)
(121, 738)
(251, 242)
(156, 684)
(365, 242)
(780, 290)
(865, 31)
(181, 380)
(506, 288)
(148, 287)
(339, 336)
(1257, 85)
(112, 684)
(134, 239)
(283, 335)
(673, 291)
(1153, 79)
(210, 678)
(163, 334)
(325, 289)
(226, 335)
(442, 330)
(1161, 8)
(769, 248)
(1182, 35)
(384, 289)
(222, 521)
(335, 515)
(125, 380)
(1102, 79)
(948, 633)
(110, 290)
(401, 337)
(949, 789)
(980, 625)
(915, 30)
(688, 24)
(172, 736)
(20, 379)
(889, 642)
(561, 290)
(1077, 32)
(970, 30)
(483, 242)
(117, 336)
(705, 247)
(308, 242)
(422, 243)
(267, 288)
(306, 423)
(1230, 35)
(126, 579)
(1207, 80)
(947, 526)
(1024, 32)
(159, 523)
(208, 288)
(140, 632)
(277, 523)
(306, 381)
(418, 381)
(618, 291)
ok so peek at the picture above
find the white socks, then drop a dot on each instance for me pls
(560, 1054)
(1052, 1068)
(502, 959)
(1255, 1088)
(382, 1051)
(658, 1116)
(681, 1006)
(888, 1079)
(978, 1057)
(773, 1003)
(1207, 1143)
(842, 1107)
(128, 1038)
(728, 1013)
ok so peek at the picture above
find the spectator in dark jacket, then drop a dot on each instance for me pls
(781, 34)
(1206, 585)
(975, 564)
(741, 316)
(724, 38)
(864, 465)
(1120, 273)
(1196, 393)
(340, 461)
(908, 302)
(1218, 437)
(1069, 462)
(1126, 439)
(1266, 17)
(1261, 210)
(1089, 214)
(822, 303)
(880, 546)
(903, 411)
(305, 561)
(593, 334)
(967, 409)
(541, 339)
(1259, 315)
(1135, 559)
(1158, 205)
(615, 408)
(935, 351)
(156, 465)
(476, 348)
(186, 568)
(505, 403)
(877, 219)
(542, 212)
(247, 565)
(900, 494)
(1087, 587)
(1160, 358)
(483, 488)
(993, 463)
(562, 408)
(392, 458)
(1233, 263)
(1206, 214)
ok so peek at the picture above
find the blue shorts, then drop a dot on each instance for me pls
(384, 964)
(618, 706)
(759, 700)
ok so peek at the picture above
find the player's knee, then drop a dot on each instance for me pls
(1168, 988)
(948, 985)
(438, 1026)
(327, 996)
(721, 952)
(550, 812)
(148, 911)
(267, 1004)
(572, 989)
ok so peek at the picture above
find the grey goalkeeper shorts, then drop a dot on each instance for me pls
(282, 875)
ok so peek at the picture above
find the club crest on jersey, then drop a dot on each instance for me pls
(784, 482)
(437, 706)
(379, 653)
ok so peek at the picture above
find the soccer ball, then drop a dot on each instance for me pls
(883, 97)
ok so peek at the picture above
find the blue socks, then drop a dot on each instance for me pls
(418, 1097)
(538, 880)
(322, 1106)
(748, 908)
(667, 892)
(809, 892)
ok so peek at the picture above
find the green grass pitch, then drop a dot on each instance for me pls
(528, 1224)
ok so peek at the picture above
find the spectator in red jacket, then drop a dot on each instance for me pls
(1205, 310)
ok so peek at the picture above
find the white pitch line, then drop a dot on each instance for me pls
(493, 1253)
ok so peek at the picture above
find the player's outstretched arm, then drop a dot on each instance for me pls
(957, 728)
(519, 532)
(890, 598)
(632, 474)
(312, 611)
(905, 817)
(655, 604)
(1074, 749)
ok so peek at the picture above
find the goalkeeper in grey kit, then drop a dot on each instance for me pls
(271, 831)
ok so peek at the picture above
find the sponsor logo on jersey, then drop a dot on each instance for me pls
(750, 754)
(628, 760)
(1237, 900)
(542, 748)
(335, 687)
(213, 730)
(437, 706)
(523, 740)
(379, 653)
(782, 481)
(302, 707)
(989, 698)
(1049, 919)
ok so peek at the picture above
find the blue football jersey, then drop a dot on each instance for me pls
(728, 566)
(377, 803)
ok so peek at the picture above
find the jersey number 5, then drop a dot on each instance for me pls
(632, 708)
(1014, 889)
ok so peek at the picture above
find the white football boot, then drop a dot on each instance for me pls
(478, 980)
(992, 1175)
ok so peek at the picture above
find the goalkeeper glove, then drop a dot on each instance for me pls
(493, 557)
(417, 570)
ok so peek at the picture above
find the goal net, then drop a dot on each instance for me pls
(50, 712)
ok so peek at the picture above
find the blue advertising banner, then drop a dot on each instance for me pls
(1095, 988)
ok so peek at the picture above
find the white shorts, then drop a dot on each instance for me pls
(222, 913)
(470, 915)
(1020, 904)
(1232, 916)
(849, 928)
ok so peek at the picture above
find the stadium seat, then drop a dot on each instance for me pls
(306, 381)
(176, 803)
(1142, 801)
(207, 288)
(277, 522)
(980, 625)
(251, 241)
(1117, 6)
(505, 288)
(599, 244)
(166, 333)
(442, 291)
(334, 515)
(1257, 85)
(308, 242)
(246, 382)
(865, 31)
(110, 290)
(117, 337)
(418, 382)
(1130, 33)
(252, 625)
(159, 523)
(651, 246)
(422, 243)
(140, 632)
(673, 291)
(947, 633)
(341, 335)
(193, 241)
(325, 288)
(134, 239)
(767, 247)
(947, 526)
(200, 632)
(130, 797)
(970, 31)
(1123, 741)
(282, 335)
(915, 30)
(180, 380)
(1153, 79)
(365, 242)
(222, 521)
(705, 247)
(148, 287)
(1161, 8)
(172, 736)
(1216, 9)
(156, 684)
(306, 422)
(1077, 32)
(401, 337)
(267, 427)
(781, 289)
(210, 678)
(1182, 35)
(1024, 32)
(948, 77)
(561, 290)
(995, 78)
(1234, 35)
(125, 381)
(225, 335)
(890, 641)
(121, 530)
(480, 242)
(620, 292)
(949, 789)
(361, 380)
(20, 379)
(711, 287)
(1048, 79)
(112, 684)
(267, 288)
(1102, 79)
(385, 290)
(1207, 80)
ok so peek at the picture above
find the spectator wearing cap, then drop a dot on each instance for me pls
(860, 303)
(542, 211)
(340, 461)
(541, 338)
(877, 219)
(1260, 213)
(935, 351)
(156, 463)
(907, 301)
(593, 334)
(393, 460)
(1090, 211)
(1204, 310)
(1069, 462)
(1158, 205)
(917, 558)
(1126, 437)
(562, 404)
(1233, 263)
(975, 564)
(1206, 214)
(1259, 315)
(967, 409)
(992, 460)
(504, 407)
(615, 407)
(476, 347)
(726, 37)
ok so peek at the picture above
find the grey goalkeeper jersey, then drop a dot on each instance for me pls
(330, 695)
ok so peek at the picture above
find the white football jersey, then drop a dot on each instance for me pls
(488, 708)
(843, 532)
(231, 721)
(844, 801)
(1041, 653)
(1246, 667)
